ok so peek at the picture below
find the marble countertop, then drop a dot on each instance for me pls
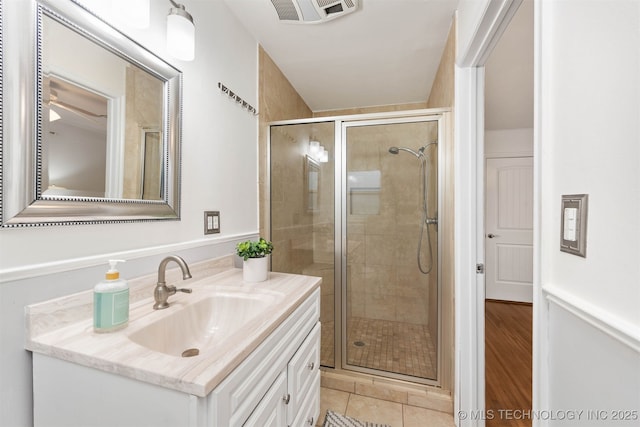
(63, 328)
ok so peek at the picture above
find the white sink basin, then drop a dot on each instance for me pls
(207, 322)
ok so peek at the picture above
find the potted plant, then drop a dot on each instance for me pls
(255, 261)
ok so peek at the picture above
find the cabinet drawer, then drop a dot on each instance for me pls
(302, 370)
(310, 409)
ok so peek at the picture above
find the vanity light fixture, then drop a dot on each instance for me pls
(180, 33)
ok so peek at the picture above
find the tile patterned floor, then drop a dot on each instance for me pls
(380, 411)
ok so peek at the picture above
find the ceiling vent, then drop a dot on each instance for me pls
(313, 11)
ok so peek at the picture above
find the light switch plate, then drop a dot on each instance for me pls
(211, 222)
(573, 224)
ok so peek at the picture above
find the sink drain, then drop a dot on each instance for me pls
(359, 343)
(190, 352)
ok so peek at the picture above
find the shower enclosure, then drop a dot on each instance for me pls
(355, 200)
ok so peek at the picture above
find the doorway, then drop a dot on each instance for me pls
(508, 222)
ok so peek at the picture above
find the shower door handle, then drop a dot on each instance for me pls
(492, 236)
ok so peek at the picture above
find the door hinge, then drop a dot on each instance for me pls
(479, 268)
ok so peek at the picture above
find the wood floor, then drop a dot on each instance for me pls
(508, 331)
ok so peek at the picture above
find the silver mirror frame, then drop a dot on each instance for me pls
(21, 201)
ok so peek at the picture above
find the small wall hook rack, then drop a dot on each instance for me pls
(244, 104)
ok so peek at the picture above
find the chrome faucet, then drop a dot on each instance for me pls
(162, 292)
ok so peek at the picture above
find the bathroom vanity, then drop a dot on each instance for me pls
(257, 365)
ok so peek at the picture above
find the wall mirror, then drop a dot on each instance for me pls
(91, 122)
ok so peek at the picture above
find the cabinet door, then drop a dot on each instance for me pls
(270, 412)
(309, 410)
(302, 370)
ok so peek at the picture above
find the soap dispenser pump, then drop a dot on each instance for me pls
(111, 301)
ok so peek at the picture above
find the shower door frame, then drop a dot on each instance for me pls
(342, 122)
(426, 116)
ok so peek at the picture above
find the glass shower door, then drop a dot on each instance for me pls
(390, 301)
(302, 181)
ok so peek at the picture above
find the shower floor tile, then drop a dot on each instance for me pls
(398, 347)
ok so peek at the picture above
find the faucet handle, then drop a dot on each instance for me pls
(185, 290)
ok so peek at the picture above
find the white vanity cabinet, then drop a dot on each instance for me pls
(273, 382)
(277, 384)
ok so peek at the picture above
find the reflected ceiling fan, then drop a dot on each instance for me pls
(53, 100)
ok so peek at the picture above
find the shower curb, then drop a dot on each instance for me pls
(422, 396)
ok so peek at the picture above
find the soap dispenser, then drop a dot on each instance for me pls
(111, 301)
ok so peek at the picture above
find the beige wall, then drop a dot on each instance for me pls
(277, 100)
(442, 90)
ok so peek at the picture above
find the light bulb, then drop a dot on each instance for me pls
(324, 156)
(314, 146)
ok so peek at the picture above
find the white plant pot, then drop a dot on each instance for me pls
(255, 269)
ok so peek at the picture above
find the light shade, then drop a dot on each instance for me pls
(180, 33)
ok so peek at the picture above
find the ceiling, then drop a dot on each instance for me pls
(388, 52)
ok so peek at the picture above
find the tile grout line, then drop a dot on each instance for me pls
(348, 401)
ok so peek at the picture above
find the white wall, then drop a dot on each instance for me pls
(588, 142)
(508, 142)
(586, 321)
(219, 173)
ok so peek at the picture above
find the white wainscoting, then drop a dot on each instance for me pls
(594, 364)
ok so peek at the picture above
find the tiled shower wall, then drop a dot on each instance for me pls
(384, 281)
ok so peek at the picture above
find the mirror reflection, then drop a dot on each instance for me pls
(96, 133)
(101, 118)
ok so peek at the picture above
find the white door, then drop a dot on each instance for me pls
(509, 229)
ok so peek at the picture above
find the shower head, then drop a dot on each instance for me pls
(396, 150)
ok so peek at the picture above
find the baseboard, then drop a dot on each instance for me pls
(502, 301)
